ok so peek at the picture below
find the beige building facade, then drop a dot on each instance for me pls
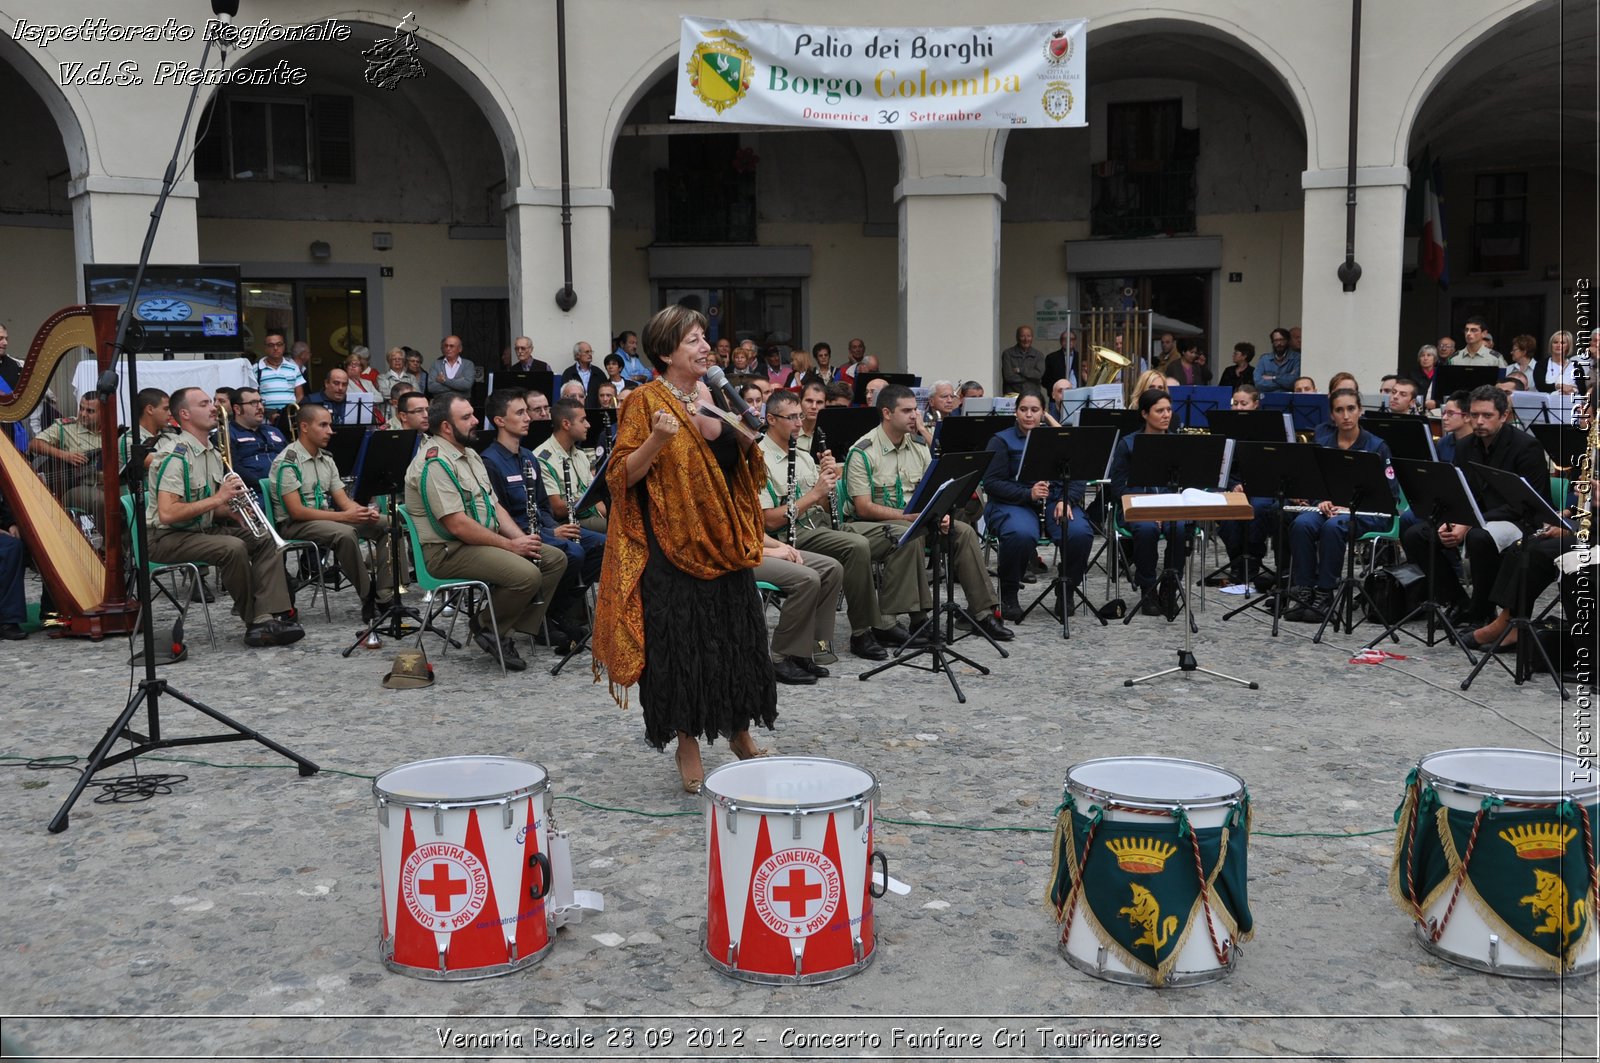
(1209, 183)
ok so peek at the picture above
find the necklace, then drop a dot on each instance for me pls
(688, 398)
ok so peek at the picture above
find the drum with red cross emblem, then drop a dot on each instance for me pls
(789, 870)
(463, 846)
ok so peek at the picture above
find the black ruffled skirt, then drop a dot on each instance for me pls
(707, 669)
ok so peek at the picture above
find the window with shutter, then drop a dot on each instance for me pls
(333, 131)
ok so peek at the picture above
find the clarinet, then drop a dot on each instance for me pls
(933, 444)
(566, 491)
(791, 493)
(833, 497)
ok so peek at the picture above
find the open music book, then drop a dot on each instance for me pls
(1189, 496)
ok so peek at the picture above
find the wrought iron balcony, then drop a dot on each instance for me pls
(705, 208)
(1133, 199)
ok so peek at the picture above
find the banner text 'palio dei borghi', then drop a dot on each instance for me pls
(865, 77)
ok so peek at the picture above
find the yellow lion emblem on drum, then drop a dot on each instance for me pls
(1146, 912)
(1550, 899)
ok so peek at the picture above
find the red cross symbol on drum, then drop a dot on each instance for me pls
(796, 892)
(444, 886)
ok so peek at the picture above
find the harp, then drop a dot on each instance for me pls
(88, 591)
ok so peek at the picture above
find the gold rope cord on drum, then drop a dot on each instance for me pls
(1458, 870)
(1200, 907)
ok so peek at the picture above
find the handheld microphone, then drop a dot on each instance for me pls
(716, 378)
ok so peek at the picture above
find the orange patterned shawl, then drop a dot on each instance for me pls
(703, 528)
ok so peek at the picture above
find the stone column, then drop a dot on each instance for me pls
(110, 216)
(1357, 331)
(534, 271)
(950, 277)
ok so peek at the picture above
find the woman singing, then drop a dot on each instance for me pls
(683, 538)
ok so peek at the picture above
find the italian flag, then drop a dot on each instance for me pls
(1432, 251)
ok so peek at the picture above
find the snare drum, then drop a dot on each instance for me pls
(463, 847)
(789, 870)
(1150, 878)
(1491, 863)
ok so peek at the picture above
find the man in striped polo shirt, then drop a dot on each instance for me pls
(281, 381)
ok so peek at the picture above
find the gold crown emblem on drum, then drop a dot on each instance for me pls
(1539, 841)
(1140, 856)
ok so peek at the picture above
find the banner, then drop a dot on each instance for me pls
(918, 77)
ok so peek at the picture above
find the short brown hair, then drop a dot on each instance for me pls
(666, 329)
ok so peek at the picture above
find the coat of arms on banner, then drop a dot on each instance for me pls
(720, 70)
(1057, 100)
(1058, 49)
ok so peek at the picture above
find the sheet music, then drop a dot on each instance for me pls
(1189, 496)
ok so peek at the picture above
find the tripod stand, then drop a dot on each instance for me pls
(1522, 627)
(151, 687)
(1442, 490)
(1055, 454)
(940, 656)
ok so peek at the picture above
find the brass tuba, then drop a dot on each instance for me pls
(1103, 366)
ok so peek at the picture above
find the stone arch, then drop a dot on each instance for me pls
(1435, 73)
(69, 114)
(474, 78)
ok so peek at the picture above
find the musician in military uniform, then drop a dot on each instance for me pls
(465, 534)
(508, 462)
(309, 502)
(870, 630)
(881, 474)
(72, 445)
(155, 411)
(188, 492)
(255, 443)
(565, 466)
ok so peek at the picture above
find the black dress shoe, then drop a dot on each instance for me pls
(1311, 609)
(1011, 610)
(1148, 606)
(513, 659)
(992, 626)
(202, 592)
(867, 647)
(274, 633)
(12, 632)
(811, 666)
(891, 636)
(789, 671)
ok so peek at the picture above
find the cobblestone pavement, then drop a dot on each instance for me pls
(237, 914)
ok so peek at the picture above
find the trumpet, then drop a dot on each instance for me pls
(244, 504)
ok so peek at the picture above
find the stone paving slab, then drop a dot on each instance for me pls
(238, 914)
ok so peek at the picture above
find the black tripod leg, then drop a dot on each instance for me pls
(306, 766)
(102, 749)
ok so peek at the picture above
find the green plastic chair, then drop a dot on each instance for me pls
(440, 591)
(195, 569)
(301, 546)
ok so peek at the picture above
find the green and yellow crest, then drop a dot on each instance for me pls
(720, 71)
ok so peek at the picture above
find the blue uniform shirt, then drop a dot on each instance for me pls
(254, 449)
(515, 492)
(1001, 483)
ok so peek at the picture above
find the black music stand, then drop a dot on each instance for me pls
(843, 425)
(541, 380)
(1354, 478)
(1064, 455)
(1564, 443)
(1256, 426)
(1125, 421)
(1453, 378)
(1408, 437)
(952, 466)
(1309, 411)
(1193, 403)
(1172, 462)
(956, 435)
(859, 393)
(596, 493)
(384, 461)
(1275, 468)
(345, 446)
(1439, 490)
(937, 506)
(1533, 509)
(151, 687)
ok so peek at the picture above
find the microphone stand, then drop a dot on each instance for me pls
(152, 686)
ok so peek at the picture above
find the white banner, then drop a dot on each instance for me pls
(918, 77)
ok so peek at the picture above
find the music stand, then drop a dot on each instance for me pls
(1353, 478)
(152, 686)
(1565, 445)
(1439, 490)
(1192, 403)
(1309, 411)
(384, 461)
(859, 395)
(541, 380)
(1258, 426)
(1533, 509)
(346, 445)
(1126, 422)
(938, 505)
(1408, 437)
(1453, 378)
(963, 434)
(1064, 455)
(843, 425)
(1272, 469)
(1173, 462)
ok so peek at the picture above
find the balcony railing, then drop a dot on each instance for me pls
(1132, 199)
(705, 208)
